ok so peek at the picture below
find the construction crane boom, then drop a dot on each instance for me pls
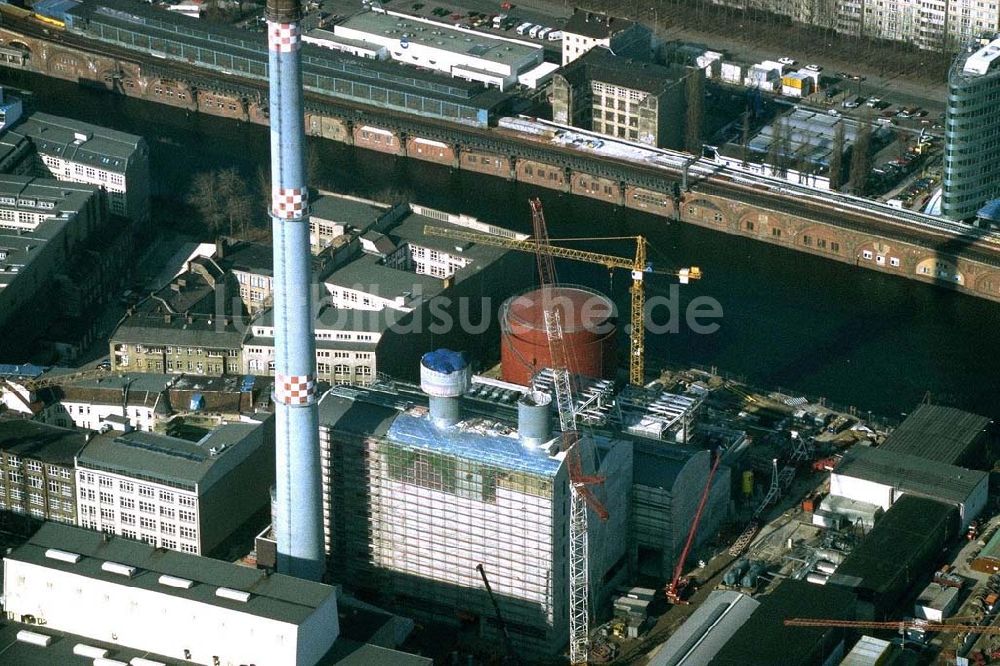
(508, 646)
(638, 266)
(673, 593)
(899, 625)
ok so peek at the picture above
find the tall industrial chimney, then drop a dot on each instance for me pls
(298, 512)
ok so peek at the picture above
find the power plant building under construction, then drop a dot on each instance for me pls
(422, 484)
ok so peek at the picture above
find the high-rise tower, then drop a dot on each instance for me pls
(298, 512)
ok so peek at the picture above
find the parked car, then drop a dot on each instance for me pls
(543, 33)
(813, 68)
(524, 27)
(533, 32)
(850, 103)
(555, 35)
(790, 62)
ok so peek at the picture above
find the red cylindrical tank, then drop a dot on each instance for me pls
(588, 325)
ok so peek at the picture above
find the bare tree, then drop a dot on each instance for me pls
(837, 157)
(204, 198)
(860, 159)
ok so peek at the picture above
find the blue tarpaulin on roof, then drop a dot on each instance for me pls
(23, 370)
(445, 360)
(55, 9)
(990, 211)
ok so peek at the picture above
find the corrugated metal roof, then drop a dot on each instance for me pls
(940, 434)
(708, 629)
(910, 474)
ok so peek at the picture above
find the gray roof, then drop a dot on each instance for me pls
(707, 629)
(276, 596)
(659, 467)
(367, 273)
(19, 250)
(38, 441)
(911, 474)
(340, 412)
(337, 319)
(169, 459)
(939, 434)
(64, 197)
(60, 651)
(595, 26)
(358, 213)
(601, 65)
(103, 148)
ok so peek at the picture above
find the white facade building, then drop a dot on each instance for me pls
(586, 30)
(182, 607)
(172, 493)
(78, 152)
(467, 54)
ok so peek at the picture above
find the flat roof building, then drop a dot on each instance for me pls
(37, 470)
(184, 607)
(585, 29)
(972, 130)
(628, 99)
(467, 54)
(174, 493)
(706, 631)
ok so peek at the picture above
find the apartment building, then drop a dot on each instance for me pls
(37, 470)
(195, 324)
(585, 30)
(174, 493)
(623, 98)
(79, 152)
(972, 133)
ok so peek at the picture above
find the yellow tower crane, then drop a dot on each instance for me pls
(638, 265)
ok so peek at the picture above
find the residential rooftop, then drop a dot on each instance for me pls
(82, 142)
(599, 64)
(45, 195)
(39, 441)
(358, 213)
(595, 25)
(18, 250)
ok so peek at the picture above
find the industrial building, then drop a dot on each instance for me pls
(467, 54)
(585, 30)
(189, 609)
(706, 631)
(764, 640)
(415, 498)
(588, 323)
(79, 152)
(667, 486)
(882, 477)
(972, 129)
(942, 435)
(37, 470)
(604, 92)
(897, 555)
(174, 493)
(230, 51)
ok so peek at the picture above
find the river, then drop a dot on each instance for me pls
(792, 320)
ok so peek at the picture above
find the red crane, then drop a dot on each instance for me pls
(675, 590)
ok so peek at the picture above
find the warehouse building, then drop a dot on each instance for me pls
(707, 630)
(173, 493)
(187, 608)
(882, 477)
(942, 435)
(900, 552)
(458, 52)
(585, 30)
(764, 640)
(613, 95)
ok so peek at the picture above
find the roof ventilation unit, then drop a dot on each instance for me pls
(235, 595)
(84, 650)
(140, 661)
(62, 555)
(120, 569)
(174, 581)
(34, 638)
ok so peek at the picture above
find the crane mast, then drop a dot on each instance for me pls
(580, 495)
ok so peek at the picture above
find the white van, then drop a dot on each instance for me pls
(555, 35)
(524, 27)
(543, 33)
(534, 31)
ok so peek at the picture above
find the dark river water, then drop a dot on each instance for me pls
(791, 320)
